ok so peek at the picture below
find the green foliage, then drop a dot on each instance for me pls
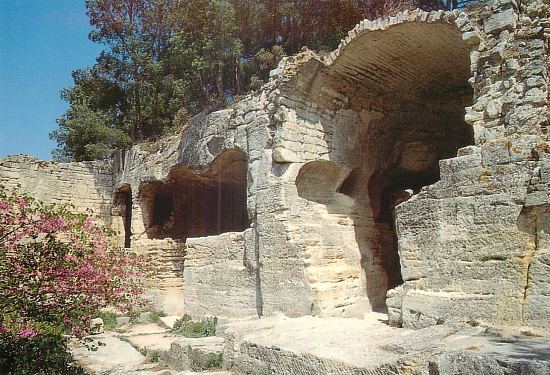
(213, 360)
(165, 60)
(153, 316)
(44, 354)
(153, 355)
(57, 269)
(93, 125)
(156, 315)
(189, 328)
(109, 320)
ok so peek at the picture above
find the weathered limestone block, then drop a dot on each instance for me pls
(283, 155)
(194, 353)
(87, 185)
(165, 287)
(309, 345)
(502, 20)
(96, 326)
(333, 261)
(220, 278)
(537, 299)
(480, 275)
(290, 294)
(472, 363)
(536, 303)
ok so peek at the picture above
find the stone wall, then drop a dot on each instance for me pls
(88, 186)
(349, 147)
(164, 288)
(472, 245)
(469, 244)
(219, 276)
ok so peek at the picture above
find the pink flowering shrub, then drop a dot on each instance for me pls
(57, 270)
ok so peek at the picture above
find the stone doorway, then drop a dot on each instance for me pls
(123, 205)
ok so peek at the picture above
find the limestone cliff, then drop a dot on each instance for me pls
(407, 170)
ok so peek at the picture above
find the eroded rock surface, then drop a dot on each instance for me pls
(311, 345)
(407, 170)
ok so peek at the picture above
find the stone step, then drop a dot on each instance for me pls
(115, 357)
(139, 354)
(194, 354)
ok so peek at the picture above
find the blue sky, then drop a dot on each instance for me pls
(41, 43)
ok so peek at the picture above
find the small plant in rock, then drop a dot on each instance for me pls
(189, 328)
(213, 360)
(155, 317)
(109, 320)
(153, 355)
(142, 351)
(144, 315)
(473, 323)
(266, 371)
(150, 354)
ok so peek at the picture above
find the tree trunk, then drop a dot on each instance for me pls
(219, 82)
(138, 125)
(238, 75)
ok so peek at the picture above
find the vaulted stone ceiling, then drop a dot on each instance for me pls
(412, 59)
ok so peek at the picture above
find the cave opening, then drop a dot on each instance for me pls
(402, 154)
(394, 166)
(188, 204)
(397, 98)
(393, 160)
(123, 201)
(162, 207)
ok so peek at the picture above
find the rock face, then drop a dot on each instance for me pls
(473, 245)
(408, 169)
(195, 353)
(86, 186)
(311, 345)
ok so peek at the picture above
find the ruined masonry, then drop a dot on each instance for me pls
(408, 170)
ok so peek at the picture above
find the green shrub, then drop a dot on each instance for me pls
(186, 317)
(44, 354)
(150, 354)
(155, 317)
(189, 328)
(109, 320)
(57, 269)
(213, 360)
(153, 355)
(134, 314)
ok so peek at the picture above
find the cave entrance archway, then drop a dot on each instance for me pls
(123, 203)
(397, 97)
(415, 76)
(188, 204)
